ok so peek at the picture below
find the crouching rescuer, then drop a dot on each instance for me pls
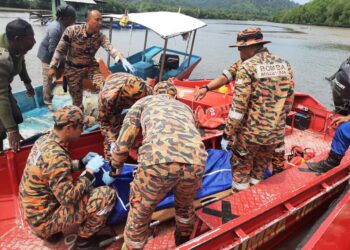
(172, 157)
(50, 199)
(120, 92)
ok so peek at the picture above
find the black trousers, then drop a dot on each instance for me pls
(17, 115)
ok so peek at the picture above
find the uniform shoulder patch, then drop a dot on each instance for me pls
(271, 70)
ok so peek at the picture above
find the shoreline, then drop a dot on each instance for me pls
(10, 9)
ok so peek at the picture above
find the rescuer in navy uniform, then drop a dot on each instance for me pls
(340, 143)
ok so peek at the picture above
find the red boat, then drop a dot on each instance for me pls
(263, 216)
(332, 232)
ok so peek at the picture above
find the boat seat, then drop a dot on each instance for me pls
(103, 68)
(143, 69)
(151, 52)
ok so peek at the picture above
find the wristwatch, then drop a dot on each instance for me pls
(89, 176)
(205, 87)
(115, 170)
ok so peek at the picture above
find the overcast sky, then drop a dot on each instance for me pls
(301, 1)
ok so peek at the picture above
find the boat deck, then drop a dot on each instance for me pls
(251, 218)
(307, 139)
(276, 188)
(249, 203)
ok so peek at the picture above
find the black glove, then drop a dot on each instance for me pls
(65, 85)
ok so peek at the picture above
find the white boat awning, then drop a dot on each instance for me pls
(166, 24)
(82, 1)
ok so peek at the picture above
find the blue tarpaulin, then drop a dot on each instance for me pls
(217, 178)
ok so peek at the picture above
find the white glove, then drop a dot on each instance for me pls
(111, 147)
(127, 66)
(95, 163)
(107, 179)
(88, 157)
(224, 144)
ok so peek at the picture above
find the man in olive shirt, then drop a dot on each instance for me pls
(14, 44)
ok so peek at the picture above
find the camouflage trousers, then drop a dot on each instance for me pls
(249, 162)
(75, 76)
(47, 91)
(90, 213)
(149, 187)
(278, 159)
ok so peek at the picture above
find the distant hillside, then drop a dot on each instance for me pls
(233, 9)
(319, 12)
(218, 9)
(243, 5)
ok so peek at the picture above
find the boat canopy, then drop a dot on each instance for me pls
(166, 24)
(81, 1)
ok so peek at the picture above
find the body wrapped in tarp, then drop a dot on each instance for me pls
(218, 177)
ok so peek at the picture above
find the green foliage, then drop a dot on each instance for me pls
(318, 12)
(15, 3)
(24, 4)
(39, 4)
(218, 9)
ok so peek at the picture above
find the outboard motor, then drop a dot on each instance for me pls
(340, 83)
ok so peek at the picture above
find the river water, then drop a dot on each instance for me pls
(314, 52)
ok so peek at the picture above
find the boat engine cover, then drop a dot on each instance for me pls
(171, 61)
(340, 83)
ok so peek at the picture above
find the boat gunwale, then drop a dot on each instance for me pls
(233, 225)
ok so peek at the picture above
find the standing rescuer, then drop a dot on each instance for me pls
(263, 95)
(119, 93)
(14, 44)
(172, 157)
(51, 200)
(228, 75)
(79, 44)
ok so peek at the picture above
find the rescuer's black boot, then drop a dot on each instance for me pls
(179, 239)
(332, 161)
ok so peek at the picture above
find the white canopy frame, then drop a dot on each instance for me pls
(81, 1)
(165, 24)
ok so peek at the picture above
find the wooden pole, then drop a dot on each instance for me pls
(110, 39)
(145, 45)
(189, 59)
(163, 60)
